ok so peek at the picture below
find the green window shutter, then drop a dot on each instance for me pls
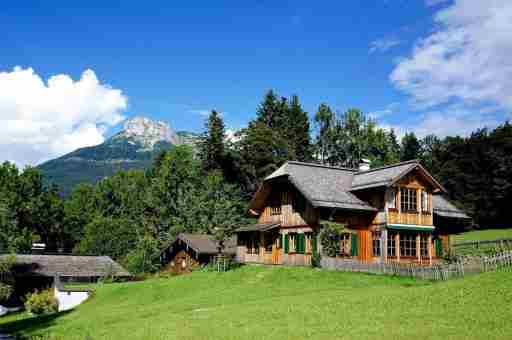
(286, 243)
(314, 243)
(302, 243)
(353, 244)
(439, 247)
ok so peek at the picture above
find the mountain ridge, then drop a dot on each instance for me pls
(134, 147)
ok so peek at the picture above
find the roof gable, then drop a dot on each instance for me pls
(391, 174)
(322, 186)
(206, 244)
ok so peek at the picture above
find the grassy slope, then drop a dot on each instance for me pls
(479, 235)
(287, 303)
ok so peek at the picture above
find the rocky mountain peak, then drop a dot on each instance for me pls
(147, 132)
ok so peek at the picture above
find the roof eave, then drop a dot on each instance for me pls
(413, 166)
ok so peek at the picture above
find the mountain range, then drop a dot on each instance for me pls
(134, 147)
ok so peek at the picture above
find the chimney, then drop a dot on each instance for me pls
(364, 164)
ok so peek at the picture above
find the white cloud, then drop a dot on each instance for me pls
(444, 123)
(383, 45)
(466, 60)
(39, 121)
(389, 110)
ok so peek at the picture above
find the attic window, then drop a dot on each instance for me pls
(275, 205)
(408, 199)
(299, 202)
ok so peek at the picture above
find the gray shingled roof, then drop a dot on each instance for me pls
(67, 266)
(206, 244)
(259, 227)
(444, 208)
(323, 186)
(383, 176)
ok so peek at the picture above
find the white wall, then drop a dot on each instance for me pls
(69, 299)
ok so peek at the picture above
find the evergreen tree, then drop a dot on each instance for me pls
(212, 144)
(298, 131)
(324, 120)
(393, 155)
(411, 147)
(267, 111)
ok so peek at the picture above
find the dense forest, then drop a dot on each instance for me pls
(132, 215)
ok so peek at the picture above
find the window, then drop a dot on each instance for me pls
(376, 243)
(299, 202)
(293, 242)
(269, 242)
(391, 199)
(408, 245)
(253, 244)
(408, 199)
(309, 237)
(424, 202)
(391, 244)
(345, 244)
(424, 245)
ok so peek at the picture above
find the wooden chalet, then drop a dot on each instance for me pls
(388, 214)
(193, 250)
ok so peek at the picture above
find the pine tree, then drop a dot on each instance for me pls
(324, 120)
(411, 147)
(212, 143)
(393, 148)
(298, 131)
(268, 109)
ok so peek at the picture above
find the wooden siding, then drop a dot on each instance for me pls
(181, 262)
(288, 216)
(364, 245)
(419, 217)
(397, 217)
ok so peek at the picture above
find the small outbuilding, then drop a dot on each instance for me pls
(32, 272)
(190, 251)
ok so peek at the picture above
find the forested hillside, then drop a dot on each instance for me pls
(132, 214)
(133, 148)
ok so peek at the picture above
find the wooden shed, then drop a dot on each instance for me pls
(190, 251)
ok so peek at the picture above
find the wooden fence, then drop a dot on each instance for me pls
(480, 247)
(436, 272)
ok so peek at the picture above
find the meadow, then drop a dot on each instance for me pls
(258, 302)
(482, 235)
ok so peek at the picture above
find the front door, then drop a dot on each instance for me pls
(275, 253)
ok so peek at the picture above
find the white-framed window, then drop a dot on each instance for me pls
(376, 243)
(408, 199)
(391, 244)
(345, 244)
(407, 244)
(391, 199)
(424, 201)
(424, 244)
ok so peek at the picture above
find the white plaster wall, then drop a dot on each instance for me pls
(69, 300)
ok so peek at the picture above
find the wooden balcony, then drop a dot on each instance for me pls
(418, 218)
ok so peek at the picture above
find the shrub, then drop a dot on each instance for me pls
(316, 260)
(43, 302)
(330, 237)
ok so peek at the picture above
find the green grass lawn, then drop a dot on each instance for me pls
(257, 302)
(480, 235)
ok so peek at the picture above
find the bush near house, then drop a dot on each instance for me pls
(42, 302)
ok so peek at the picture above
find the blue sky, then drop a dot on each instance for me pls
(174, 61)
